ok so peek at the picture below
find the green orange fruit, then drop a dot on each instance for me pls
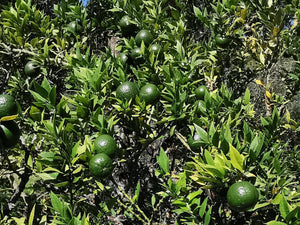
(101, 165)
(149, 93)
(8, 105)
(9, 134)
(127, 90)
(105, 144)
(136, 55)
(144, 36)
(31, 68)
(127, 26)
(242, 196)
(123, 57)
(200, 91)
(155, 48)
(222, 41)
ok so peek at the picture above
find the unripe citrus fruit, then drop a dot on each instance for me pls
(242, 196)
(127, 26)
(200, 91)
(9, 134)
(136, 56)
(31, 68)
(105, 144)
(222, 41)
(155, 48)
(149, 93)
(144, 35)
(101, 165)
(127, 90)
(123, 57)
(8, 105)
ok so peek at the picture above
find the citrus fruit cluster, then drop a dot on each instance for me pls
(101, 164)
(128, 90)
(9, 130)
(129, 28)
(242, 196)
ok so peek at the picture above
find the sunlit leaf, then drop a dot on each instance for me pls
(236, 159)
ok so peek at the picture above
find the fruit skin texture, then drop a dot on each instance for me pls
(144, 35)
(222, 41)
(9, 134)
(8, 105)
(242, 196)
(31, 69)
(105, 144)
(101, 165)
(149, 93)
(127, 90)
(200, 92)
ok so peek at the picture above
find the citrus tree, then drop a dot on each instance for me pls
(149, 112)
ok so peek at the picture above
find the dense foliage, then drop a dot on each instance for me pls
(197, 96)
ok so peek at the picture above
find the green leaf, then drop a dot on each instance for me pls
(214, 171)
(208, 158)
(246, 99)
(57, 204)
(192, 195)
(264, 122)
(46, 85)
(31, 217)
(37, 97)
(40, 90)
(227, 134)
(277, 199)
(207, 216)
(295, 213)
(203, 207)
(52, 95)
(153, 200)
(202, 133)
(256, 146)
(163, 161)
(273, 222)
(198, 13)
(276, 165)
(284, 207)
(136, 193)
(47, 176)
(236, 159)
(19, 221)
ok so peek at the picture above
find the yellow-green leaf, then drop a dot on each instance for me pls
(260, 82)
(236, 159)
(7, 118)
(262, 58)
(19, 221)
(31, 217)
(269, 95)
